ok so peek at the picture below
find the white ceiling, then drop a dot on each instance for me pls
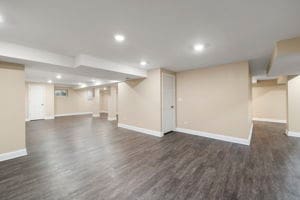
(160, 32)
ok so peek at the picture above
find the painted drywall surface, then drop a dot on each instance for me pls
(104, 95)
(289, 46)
(139, 102)
(96, 102)
(112, 103)
(293, 104)
(215, 100)
(49, 99)
(269, 100)
(12, 115)
(75, 102)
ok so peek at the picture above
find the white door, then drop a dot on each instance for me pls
(168, 103)
(36, 102)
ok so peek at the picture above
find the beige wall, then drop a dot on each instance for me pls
(112, 103)
(104, 95)
(75, 102)
(269, 100)
(96, 102)
(12, 115)
(215, 100)
(139, 102)
(294, 104)
(49, 99)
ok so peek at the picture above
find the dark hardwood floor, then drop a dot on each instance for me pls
(85, 158)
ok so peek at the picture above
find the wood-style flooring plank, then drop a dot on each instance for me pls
(81, 157)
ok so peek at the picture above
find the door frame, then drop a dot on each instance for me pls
(162, 102)
(29, 98)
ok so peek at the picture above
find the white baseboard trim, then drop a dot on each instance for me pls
(269, 120)
(111, 118)
(96, 115)
(13, 154)
(292, 133)
(141, 130)
(250, 134)
(217, 136)
(72, 114)
(49, 117)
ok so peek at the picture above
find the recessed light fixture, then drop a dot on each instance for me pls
(114, 81)
(199, 47)
(80, 83)
(58, 76)
(49, 81)
(93, 80)
(1, 19)
(119, 37)
(143, 63)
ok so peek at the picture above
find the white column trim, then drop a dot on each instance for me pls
(141, 130)
(111, 118)
(292, 133)
(218, 136)
(269, 120)
(72, 114)
(49, 117)
(13, 154)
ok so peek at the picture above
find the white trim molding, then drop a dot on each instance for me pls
(96, 115)
(49, 117)
(103, 111)
(218, 136)
(13, 154)
(111, 118)
(250, 134)
(292, 133)
(269, 120)
(27, 119)
(141, 130)
(72, 114)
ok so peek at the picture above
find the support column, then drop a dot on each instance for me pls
(112, 103)
(293, 105)
(96, 102)
(12, 114)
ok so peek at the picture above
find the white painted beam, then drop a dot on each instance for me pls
(90, 61)
(23, 53)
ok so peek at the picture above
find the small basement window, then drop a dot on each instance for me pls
(61, 92)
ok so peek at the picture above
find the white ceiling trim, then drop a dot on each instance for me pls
(23, 54)
(90, 61)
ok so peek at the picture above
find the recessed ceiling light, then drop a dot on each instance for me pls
(114, 81)
(49, 81)
(119, 38)
(80, 83)
(93, 80)
(143, 63)
(58, 76)
(199, 47)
